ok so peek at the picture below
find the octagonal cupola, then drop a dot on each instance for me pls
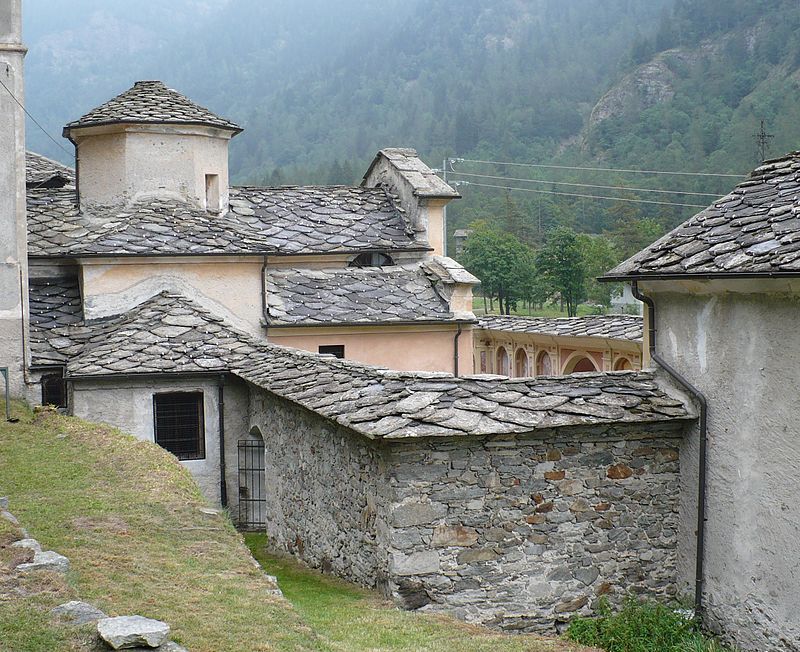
(151, 142)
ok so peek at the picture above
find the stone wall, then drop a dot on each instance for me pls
(518, 532)
(524, 533)
(325, 490)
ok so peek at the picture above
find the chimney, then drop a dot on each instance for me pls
(13, 227)
(423, 195)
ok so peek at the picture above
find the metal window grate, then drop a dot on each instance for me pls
(252, 497)
(179, 424)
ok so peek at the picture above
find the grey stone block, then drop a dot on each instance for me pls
(48, 560)
(78, 613)
(125, 632)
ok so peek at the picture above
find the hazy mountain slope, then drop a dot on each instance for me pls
(319, 86)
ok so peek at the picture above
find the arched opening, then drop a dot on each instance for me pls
(501, 362)
(521, 364)
(579, 363)
(252, 481)
(623, 364)
(544, 364)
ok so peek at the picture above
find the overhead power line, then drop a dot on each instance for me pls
(35, 121)
(568, 167)
(589, 185)
(570, 194)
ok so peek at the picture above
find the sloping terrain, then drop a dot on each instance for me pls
(141, 539)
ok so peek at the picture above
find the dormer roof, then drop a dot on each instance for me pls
(150, 102)
(424, 181)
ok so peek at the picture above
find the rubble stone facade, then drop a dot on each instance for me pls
(516, 531)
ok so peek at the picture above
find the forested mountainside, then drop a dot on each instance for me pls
(319, 87)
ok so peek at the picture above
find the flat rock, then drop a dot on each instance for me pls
(47, 560)
(3, 502)
(9, 517)
(125, 632)
(31, 544)
(78, 613)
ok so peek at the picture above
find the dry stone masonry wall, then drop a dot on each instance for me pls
(524, 533)
(324, 490)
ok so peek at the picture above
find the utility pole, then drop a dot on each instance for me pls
(762, 142)
(444, 210)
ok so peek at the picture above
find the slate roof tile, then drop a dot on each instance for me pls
(56, 316)
(282, 220)
(151, 102)
(745, 232)
(374, 402)
(407, 293)
(42, 172)
(613, 327)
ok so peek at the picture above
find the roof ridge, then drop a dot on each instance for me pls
(152, 102)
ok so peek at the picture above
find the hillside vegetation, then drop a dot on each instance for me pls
(678, 85)
(141, 539)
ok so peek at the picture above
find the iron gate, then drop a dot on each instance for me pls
(252, 499)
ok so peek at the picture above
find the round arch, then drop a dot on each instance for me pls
(579, 362)
(623, 364)
(544, 364)
(521, 364)
(501, 366)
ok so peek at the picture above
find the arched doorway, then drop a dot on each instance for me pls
(579, 363)
(623, 364)
(502, 362)
(544, 364)
(521, 369)
(252, 481)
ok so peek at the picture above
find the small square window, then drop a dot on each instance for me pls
(179, 424)
(336, 350)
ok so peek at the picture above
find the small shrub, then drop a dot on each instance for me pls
(640, 627)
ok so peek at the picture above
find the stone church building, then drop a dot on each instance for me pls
(302, 351)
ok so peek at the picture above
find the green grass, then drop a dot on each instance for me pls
(641, 627)
(349, 618)
(127, 515)
(548, 310)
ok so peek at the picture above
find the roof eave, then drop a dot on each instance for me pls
(644, 276)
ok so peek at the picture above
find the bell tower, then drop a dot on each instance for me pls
(13, 228)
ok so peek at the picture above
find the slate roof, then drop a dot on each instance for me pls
(612, 327)
(42, 172)
(169, 333)
(755, 230)
(283, 220)
(56, 316)
(423, 180)
(150, 102)
(401, 294)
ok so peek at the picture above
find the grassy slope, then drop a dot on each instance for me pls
(128, 516)
(350, 618)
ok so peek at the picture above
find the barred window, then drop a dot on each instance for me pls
(179, 425)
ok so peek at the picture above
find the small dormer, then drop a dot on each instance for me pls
(152, 142)
(422, 193)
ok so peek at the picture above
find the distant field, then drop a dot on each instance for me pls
(548, 310)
